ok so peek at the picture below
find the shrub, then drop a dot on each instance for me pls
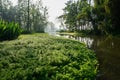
(44, 57)
(9, 30)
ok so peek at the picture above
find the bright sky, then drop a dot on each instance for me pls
(54, 8)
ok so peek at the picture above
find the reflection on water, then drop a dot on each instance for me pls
(86, 40)
(108, 53)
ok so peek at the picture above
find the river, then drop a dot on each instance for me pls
(107, 50)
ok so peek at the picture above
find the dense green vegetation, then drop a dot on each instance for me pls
(99, 16)
(43, 57)
(9, 30)
(115, 8)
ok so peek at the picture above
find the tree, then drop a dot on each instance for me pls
(76, 14)
(28, 20)
(32, 17)
(103, 15)
(114, 6)
(1, 9)
(70, 13)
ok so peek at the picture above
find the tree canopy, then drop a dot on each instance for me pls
(31, 16)
(101, 16)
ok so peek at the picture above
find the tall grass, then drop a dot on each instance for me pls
(43, 57)
(9, 30)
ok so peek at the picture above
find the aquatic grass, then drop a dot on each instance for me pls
(44, 57)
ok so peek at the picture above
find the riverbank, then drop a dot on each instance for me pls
(44, 57)
(80, 33)
(105, 48)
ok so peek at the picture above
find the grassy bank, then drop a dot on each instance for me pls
(44, 57)
(67, 33)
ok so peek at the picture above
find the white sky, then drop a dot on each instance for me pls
(54, 8)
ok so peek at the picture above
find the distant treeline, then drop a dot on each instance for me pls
(31, 16)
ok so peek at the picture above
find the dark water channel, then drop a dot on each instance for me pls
(108, 54)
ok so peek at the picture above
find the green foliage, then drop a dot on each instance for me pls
(77, 14)
(8, 30)
(103, 15)
(43, 57)
(31, 16)
(114, 6)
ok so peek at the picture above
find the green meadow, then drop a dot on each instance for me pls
(45, 57)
